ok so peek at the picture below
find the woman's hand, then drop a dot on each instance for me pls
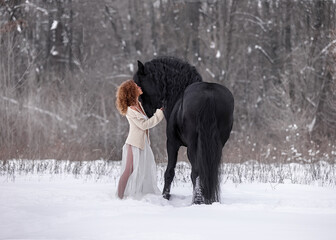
(161, 109)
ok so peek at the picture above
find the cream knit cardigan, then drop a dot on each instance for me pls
(139, 126)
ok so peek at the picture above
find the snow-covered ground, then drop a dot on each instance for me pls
(62, 205)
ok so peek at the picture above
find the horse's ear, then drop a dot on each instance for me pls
(141, 68)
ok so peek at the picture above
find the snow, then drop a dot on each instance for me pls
(19, 28)
(131, 67)
(211, 73)
(264, 52)
(218, 54)
(66, 206)
(311, 125)
(53, 51)
(54, 25)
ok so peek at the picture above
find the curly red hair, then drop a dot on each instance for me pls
(126, 96)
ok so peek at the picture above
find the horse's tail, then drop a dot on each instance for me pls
(209, 152)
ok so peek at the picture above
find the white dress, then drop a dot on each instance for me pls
(143, 179)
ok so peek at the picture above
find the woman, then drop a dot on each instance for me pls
(138, 166)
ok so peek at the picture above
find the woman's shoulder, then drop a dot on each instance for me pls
(129, 111)
(133, 113)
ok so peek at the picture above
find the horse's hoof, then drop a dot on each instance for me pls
(166, 196)
(198, 200)
(197, 195)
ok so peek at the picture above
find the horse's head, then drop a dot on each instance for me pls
(152, 94)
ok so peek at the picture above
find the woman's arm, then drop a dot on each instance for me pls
(144, 124)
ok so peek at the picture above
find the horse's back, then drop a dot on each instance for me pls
(198, 94)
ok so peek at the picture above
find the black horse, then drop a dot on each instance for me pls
(199, 116)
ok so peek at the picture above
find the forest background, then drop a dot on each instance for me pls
(61, 62)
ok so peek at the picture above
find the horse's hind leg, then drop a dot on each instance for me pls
(191, 152)
(197, 190)
(172, 149)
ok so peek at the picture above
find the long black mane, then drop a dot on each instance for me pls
(173, 76)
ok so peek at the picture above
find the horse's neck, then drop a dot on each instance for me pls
(174, 110)
(178, 88)
(170, 103)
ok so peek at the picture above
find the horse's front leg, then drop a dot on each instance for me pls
(172, 149)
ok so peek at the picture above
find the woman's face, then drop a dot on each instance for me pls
(139, 90)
